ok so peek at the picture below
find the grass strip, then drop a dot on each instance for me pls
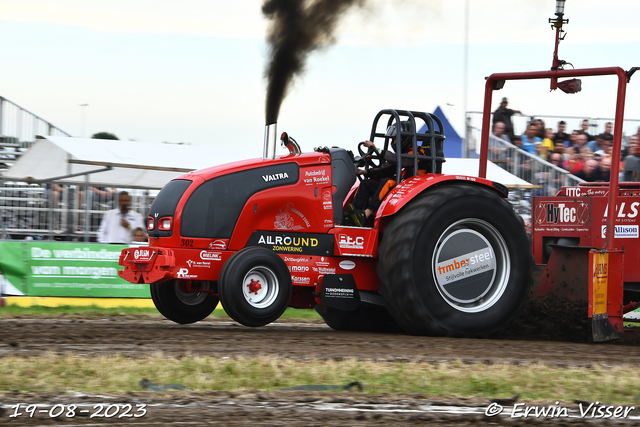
(13, 311)
(118, 373)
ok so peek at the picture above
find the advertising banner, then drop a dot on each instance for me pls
(600, 268)
(65, 269)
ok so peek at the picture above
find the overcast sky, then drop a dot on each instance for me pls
(192, 71)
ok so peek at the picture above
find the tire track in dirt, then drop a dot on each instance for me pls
(304, 341)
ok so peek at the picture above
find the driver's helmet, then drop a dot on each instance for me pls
(405, 142)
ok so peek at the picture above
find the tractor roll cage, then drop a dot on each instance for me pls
(432, 138)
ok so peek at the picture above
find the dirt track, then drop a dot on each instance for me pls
(221, 337)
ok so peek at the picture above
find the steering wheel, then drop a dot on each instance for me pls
(369, 159)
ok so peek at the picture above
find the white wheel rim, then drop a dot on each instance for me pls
(459, 282)
(260, 287)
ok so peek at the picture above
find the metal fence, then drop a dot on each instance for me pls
(18, 130)
(20, 126)
(52, 210)
(544, 178)
(520, 122)
(60, 211)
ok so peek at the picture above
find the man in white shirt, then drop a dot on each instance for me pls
(118, 224)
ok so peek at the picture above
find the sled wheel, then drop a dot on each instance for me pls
(455, 262)
(180, 301)
(255, 286)
(362, 319)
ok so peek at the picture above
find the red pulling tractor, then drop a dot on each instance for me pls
(445, 254)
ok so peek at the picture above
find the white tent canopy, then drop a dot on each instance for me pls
(152, 165)
(471, 167)
(135, 164)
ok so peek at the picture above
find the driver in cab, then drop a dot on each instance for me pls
(381, 180)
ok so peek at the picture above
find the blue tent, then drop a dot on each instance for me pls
(453, 143)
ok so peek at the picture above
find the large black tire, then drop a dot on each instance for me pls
(362, 319)
(174, 303)
(456, 262)
(255, 286)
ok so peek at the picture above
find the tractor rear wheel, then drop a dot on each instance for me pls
(362, 319)
(255, 286)
(456, 262)
(180, 301)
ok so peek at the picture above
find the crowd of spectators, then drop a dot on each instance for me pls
(587, 156)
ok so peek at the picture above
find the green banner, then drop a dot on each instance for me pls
(66, 269)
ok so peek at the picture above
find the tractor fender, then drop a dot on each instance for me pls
(410, 188)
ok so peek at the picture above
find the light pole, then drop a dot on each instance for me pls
(83, 119)
(557, 23)
(465, 67)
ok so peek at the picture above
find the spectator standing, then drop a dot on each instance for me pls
(529, 139)
(581, 140)
(632, 162)
(547, 141)
(572, 138)
(590, 172)
(633, 139)
(517, 141)
(560, 148)
(54, 193)
(556, 159)
(605, 169)
(139, 235)
(503, 114)
(574, 163)
(498, 150)
(541, 151)
(561, 135)
(585, 129)
(608, 145)
(597, 144)
(554, 177)
(499, 129)
(118, 224)
(518, 163)
(608, 128)
(540, 130)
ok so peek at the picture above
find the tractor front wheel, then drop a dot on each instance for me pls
(183, 301)
(455, 262)
(255, 286)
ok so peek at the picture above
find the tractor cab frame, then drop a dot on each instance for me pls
(431, 136)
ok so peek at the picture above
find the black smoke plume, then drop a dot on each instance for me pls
(298, 27)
